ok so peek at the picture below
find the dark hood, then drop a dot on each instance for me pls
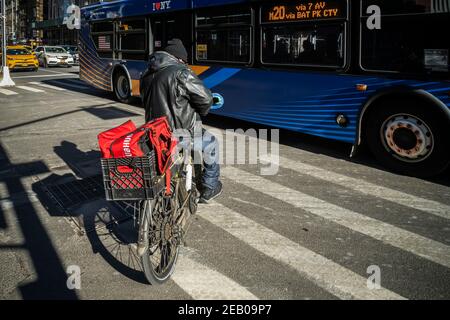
(160, 60)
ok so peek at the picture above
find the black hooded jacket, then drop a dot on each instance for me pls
(170, 88)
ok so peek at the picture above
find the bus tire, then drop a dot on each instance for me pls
(409, 138)
(122, 87)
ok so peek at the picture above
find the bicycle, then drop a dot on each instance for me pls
(163, 218)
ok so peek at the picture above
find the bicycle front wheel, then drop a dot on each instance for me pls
(163, 242)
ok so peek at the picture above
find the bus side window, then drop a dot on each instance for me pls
(103, 37)
(412, 39)
(132, 42)
(298, 44)
(292, 36)
(224, 35)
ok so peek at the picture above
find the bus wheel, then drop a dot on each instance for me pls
(122, 88)
(410, 139)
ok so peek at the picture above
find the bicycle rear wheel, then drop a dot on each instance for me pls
(163, 239)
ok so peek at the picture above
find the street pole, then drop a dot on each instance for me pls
(15, 19)
(12, 17)
(6, 81)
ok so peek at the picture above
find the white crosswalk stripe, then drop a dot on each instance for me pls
(203, 283)
(384, 232)
(65, 75)
(7, 92)
(44, 85)
(31, 89)
(323, 272)
(359, 185)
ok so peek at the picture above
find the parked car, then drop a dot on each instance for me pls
(73, 50)
(18, 57)
(53, 56)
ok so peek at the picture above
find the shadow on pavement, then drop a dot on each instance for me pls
(3, 224)
(76, 85)
(104, 111)
(51, 275)
(109, 113)
(83, 164)
(79, 195)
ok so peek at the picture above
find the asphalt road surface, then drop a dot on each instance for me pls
(319, 226)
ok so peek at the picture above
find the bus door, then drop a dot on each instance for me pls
(168, 26)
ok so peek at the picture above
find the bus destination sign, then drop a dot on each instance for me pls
(304, 10)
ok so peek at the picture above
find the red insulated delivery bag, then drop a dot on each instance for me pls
(125, 141)
(162, 141)
(132, 144)
(105, 139)
(164, 144)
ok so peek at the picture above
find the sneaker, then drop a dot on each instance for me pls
(210, 194)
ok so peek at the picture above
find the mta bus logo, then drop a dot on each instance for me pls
(163, 5)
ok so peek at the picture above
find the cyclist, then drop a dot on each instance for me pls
(170, 88)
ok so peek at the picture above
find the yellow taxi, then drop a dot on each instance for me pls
(29, 48)
(19, 57)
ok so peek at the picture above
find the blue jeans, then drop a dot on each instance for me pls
(211, 166)
(208, 146)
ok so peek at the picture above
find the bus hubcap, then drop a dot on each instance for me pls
(407, 137)
(123, 88)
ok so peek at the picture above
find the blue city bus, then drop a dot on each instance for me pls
(365, 72)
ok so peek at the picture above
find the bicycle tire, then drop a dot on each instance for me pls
(158, 271)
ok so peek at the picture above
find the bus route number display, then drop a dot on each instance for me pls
(304, 11)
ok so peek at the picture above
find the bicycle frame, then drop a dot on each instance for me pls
(146, 209)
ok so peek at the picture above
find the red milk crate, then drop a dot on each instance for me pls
(131, 178)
